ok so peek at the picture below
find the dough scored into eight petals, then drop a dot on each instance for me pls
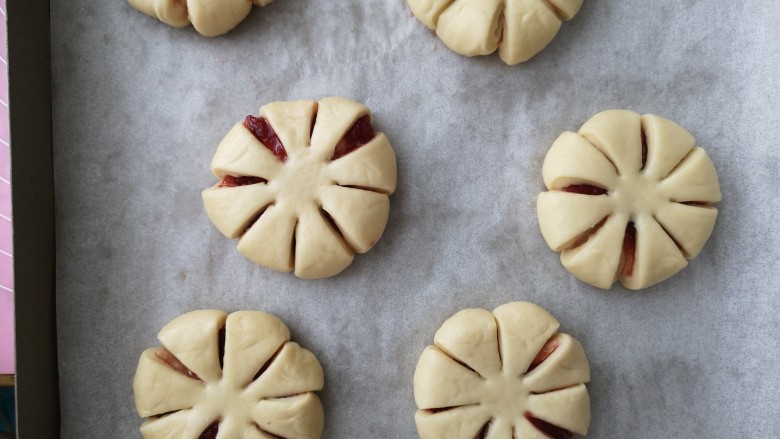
(220, 376)
(502, 375)
(209, 17)
(304, 186)
(629, 198)
(519, 29)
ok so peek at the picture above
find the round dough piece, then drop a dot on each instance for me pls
(304, 186)
(220, 376)
(209, 17)
(519, 29)
(508, 374)
(629, 198)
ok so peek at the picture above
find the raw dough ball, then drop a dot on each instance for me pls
(519, 29)
(304, 186)
(220, 376)
(629, 199)
(502, 375)
(209, 17)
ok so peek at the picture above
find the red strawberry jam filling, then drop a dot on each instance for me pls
(231, 181)
(629, 250)
(552, 431)
(266, 135)
(171, 360)
(544, 353)
(358, 135)
(585, 189)
(211, 431)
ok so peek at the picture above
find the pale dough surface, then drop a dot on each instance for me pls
(278, 402)
(519, 29)
(353, 189)
(668, 198)
(475, 374)
(209, 17)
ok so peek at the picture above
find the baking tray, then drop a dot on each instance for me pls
(139, 108)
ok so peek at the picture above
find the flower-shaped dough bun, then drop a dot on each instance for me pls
(304, 186)
(519, 29)
(629, 199)
(220, 376)
(508, 374)
(209, 17)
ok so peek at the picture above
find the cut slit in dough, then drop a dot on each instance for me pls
(629, 198)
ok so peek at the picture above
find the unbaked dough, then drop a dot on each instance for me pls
(220, 376)
(629, 198)
(508, 374)
(519, 29)
(313, 194)
(209, 17)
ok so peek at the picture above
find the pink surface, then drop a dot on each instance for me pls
(6, 227)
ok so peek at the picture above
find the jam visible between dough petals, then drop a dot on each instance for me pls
(171, 360)
(266, 135)
(629, 250)
(543, 354)
(211, 431)
(552, 431)
(231, 181)
(358, 135)
(584, 189)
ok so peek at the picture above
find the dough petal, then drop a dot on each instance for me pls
(241, 154)
(573, 160)
(299, 416)
(568, 408)
(334, 117)
(168, 11)
(251, 339)
(565, 367)
(694, 179)
(523, 329)
(319, 250)
(500, 428)
(690, 226)
(194, 339)
(177, 425)
(269, 241)
(292, 122)
(618, 134)
(372, 166)
(596, 261)
(440, 381)
(232, 208)
(656, 256)
(160, 389)
(667, 144)
(360, 215)
(471, 27)
(428, 11)
(471, 336)
(565, 216)
(458, 423)
(530, 26)
(212, 18)
(525, 430)
(294, 371)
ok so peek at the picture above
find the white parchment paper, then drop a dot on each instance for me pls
(140, 107)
